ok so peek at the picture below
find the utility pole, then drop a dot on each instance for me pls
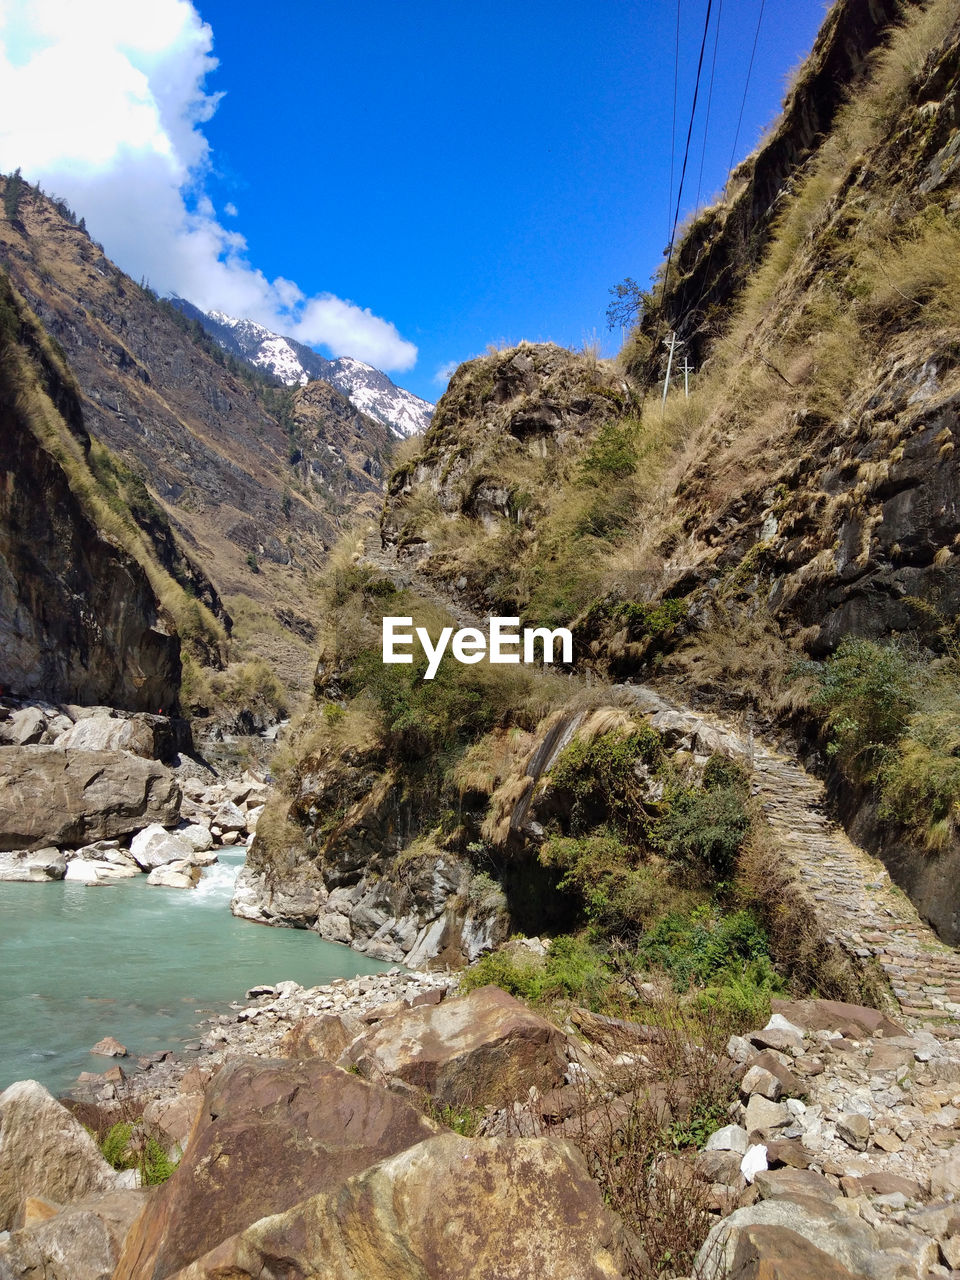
(686, 369)
(671, 344)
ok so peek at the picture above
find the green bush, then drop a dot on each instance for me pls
(599, 775)
(726, 955)
(651, 619)
(573, 969)
(115, 1146)
(703, 829)
(123, 1149)
(612, 454)
(619, 893)
(867, 692)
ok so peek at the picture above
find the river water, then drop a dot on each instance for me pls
(140, 963)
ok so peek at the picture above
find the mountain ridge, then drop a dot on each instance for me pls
(293, 363)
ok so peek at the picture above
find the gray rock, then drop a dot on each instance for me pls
(82, 1242)
(764, 1114)
(175, 875)
(155, 846)
(760, 1081)
(196, 835)
(96, 872)
(103, 733)
(38, 865)
(229, 818)
(945, 1178)
(854, 1129)
(849, 1240)
(730, 1138)
(44, 1152)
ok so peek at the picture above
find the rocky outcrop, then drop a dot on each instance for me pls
(268, 1137)
(356, 879)
(449, 1208)
(498, 430)
(94, 728)
(44, 1152)
(37, 865)
(48, 795)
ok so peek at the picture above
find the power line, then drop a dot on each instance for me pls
(743, 103)
(706, 125)
(673, 127)
(686, 156)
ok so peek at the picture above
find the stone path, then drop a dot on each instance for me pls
(850, 892)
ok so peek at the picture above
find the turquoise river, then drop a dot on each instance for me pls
(144, 964)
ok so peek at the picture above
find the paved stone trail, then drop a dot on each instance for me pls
(850, 892)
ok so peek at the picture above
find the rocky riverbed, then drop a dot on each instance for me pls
(837, 1157)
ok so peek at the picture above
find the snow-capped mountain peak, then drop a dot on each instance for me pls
(294, 364)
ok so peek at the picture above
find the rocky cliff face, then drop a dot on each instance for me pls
(79, 618)
(218, 446)
(806, 492)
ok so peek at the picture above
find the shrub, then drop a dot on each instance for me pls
(707, 948)
(867, 692)
(619, 894)
(599, 775)
(573, 969)
(703, 829)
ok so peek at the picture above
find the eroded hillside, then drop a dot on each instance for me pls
(781, 544)
(254, 479)
(87, 613)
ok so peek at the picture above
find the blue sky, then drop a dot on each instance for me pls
(462, 175)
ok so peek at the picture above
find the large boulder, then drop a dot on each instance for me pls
(855, 1021)
(482, 1048)
(81, 1242)
(154, 846)
(50, 796)
(44, 1151)
(93, 871)
(450, 1208)
(38, 864)
(848, 1241)
(270, 1134)
(175, 875)
(108, 733)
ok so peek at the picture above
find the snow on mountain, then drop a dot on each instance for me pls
(294, 364)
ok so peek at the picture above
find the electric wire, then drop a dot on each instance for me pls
(706, 125)
(673, 126)
(743, 101)
(683, 170)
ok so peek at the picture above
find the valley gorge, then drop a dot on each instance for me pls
(638, 965)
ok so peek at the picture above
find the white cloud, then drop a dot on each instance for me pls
(230, 209)
(446, 372)
(102, 103)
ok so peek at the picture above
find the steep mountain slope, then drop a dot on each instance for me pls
(80, 620)
(782, 543)
(254, 489)
(295, 364)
